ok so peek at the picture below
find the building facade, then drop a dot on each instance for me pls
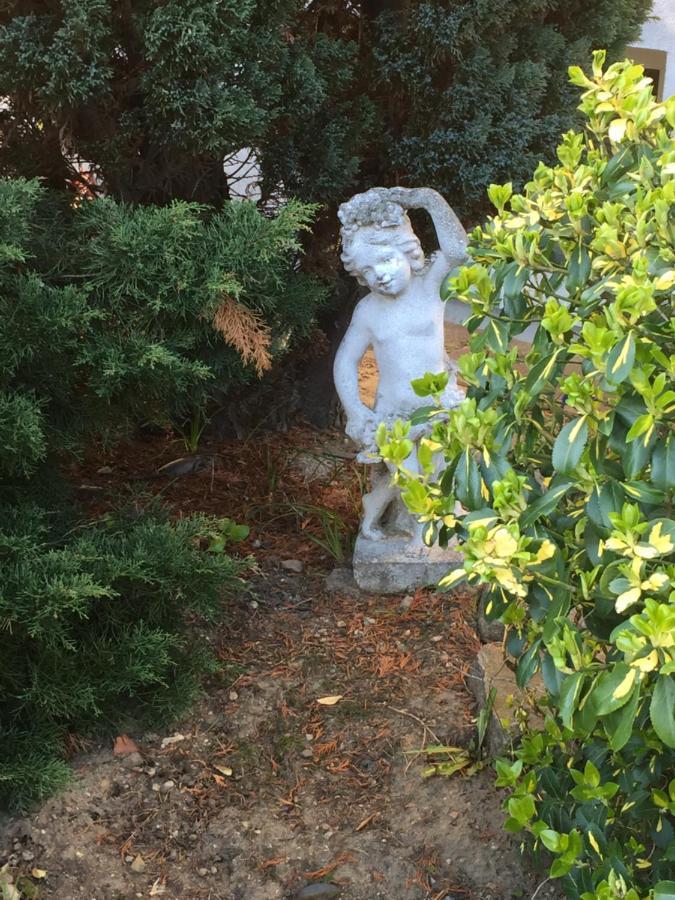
(656, 48)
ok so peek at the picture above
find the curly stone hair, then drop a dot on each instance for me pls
(378, 220)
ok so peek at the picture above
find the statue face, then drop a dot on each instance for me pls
(385, 269)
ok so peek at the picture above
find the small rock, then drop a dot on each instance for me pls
(132, 761)
(309, 737)
(128, 858)
(257, 544)
(488, 631)
(406, 602)
(308, 753)
(138, 865)
(489, 671)
(202, 872)
(368, 621)
(293, 565)
(104, 470)
(27, 855)
(436, 638)
(254, 604)
(167, 786)
(233, 695)
(174, 739)
(341, 623)
(321, 889)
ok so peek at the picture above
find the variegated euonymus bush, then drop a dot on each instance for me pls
(564, 460)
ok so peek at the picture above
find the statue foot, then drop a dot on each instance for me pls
(372, 533)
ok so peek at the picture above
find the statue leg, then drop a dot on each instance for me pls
(375, 502)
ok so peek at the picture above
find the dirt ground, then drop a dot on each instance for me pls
(264, 791)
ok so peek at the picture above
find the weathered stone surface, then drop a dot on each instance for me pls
(341, 581)
(322, 889)
(490, 671)
(489, 632)
(396, 565)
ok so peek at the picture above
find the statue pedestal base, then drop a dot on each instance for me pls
(397, 564)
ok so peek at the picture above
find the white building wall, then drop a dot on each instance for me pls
(659, 34)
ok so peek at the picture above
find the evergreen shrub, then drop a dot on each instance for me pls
(114, 315)
(564, 462)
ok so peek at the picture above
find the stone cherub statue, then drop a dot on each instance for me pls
(402, 320)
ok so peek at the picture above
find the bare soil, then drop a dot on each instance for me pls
(264, 791)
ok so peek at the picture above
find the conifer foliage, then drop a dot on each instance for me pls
(108, 320)
(333, 95)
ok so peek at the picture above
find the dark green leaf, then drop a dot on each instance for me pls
(662, 709)
(527, 665)
(497, 335)
(609, 692)
(569, 445)
(604, 500)
(569, 696)
(643, 493)
(467, 481)
(423, 414)
(542, 373)
(545, 504)
(619, 724)
(621, 359)
(663, 464)
(578, 269)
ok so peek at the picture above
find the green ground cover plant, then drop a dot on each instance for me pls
(564, 463)
(112, 316)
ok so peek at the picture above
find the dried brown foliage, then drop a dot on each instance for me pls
(246, 331)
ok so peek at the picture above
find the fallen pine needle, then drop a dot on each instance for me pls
(366, 822)
(331, 867)
(271, 863)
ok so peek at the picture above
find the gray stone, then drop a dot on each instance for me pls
(341, 581)
(490, 670)
(132, 760)
(397, 565)
(489, 632)
(321, 889)
(293, 565)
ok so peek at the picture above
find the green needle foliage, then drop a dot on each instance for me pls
(333, 95)
(155, 94)
(110, 318)
(565, 465)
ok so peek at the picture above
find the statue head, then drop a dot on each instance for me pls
(379, 246)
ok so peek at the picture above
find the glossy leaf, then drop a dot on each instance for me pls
(662, 709)
(569, 446)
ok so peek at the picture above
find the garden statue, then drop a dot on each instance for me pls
(402, 320)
